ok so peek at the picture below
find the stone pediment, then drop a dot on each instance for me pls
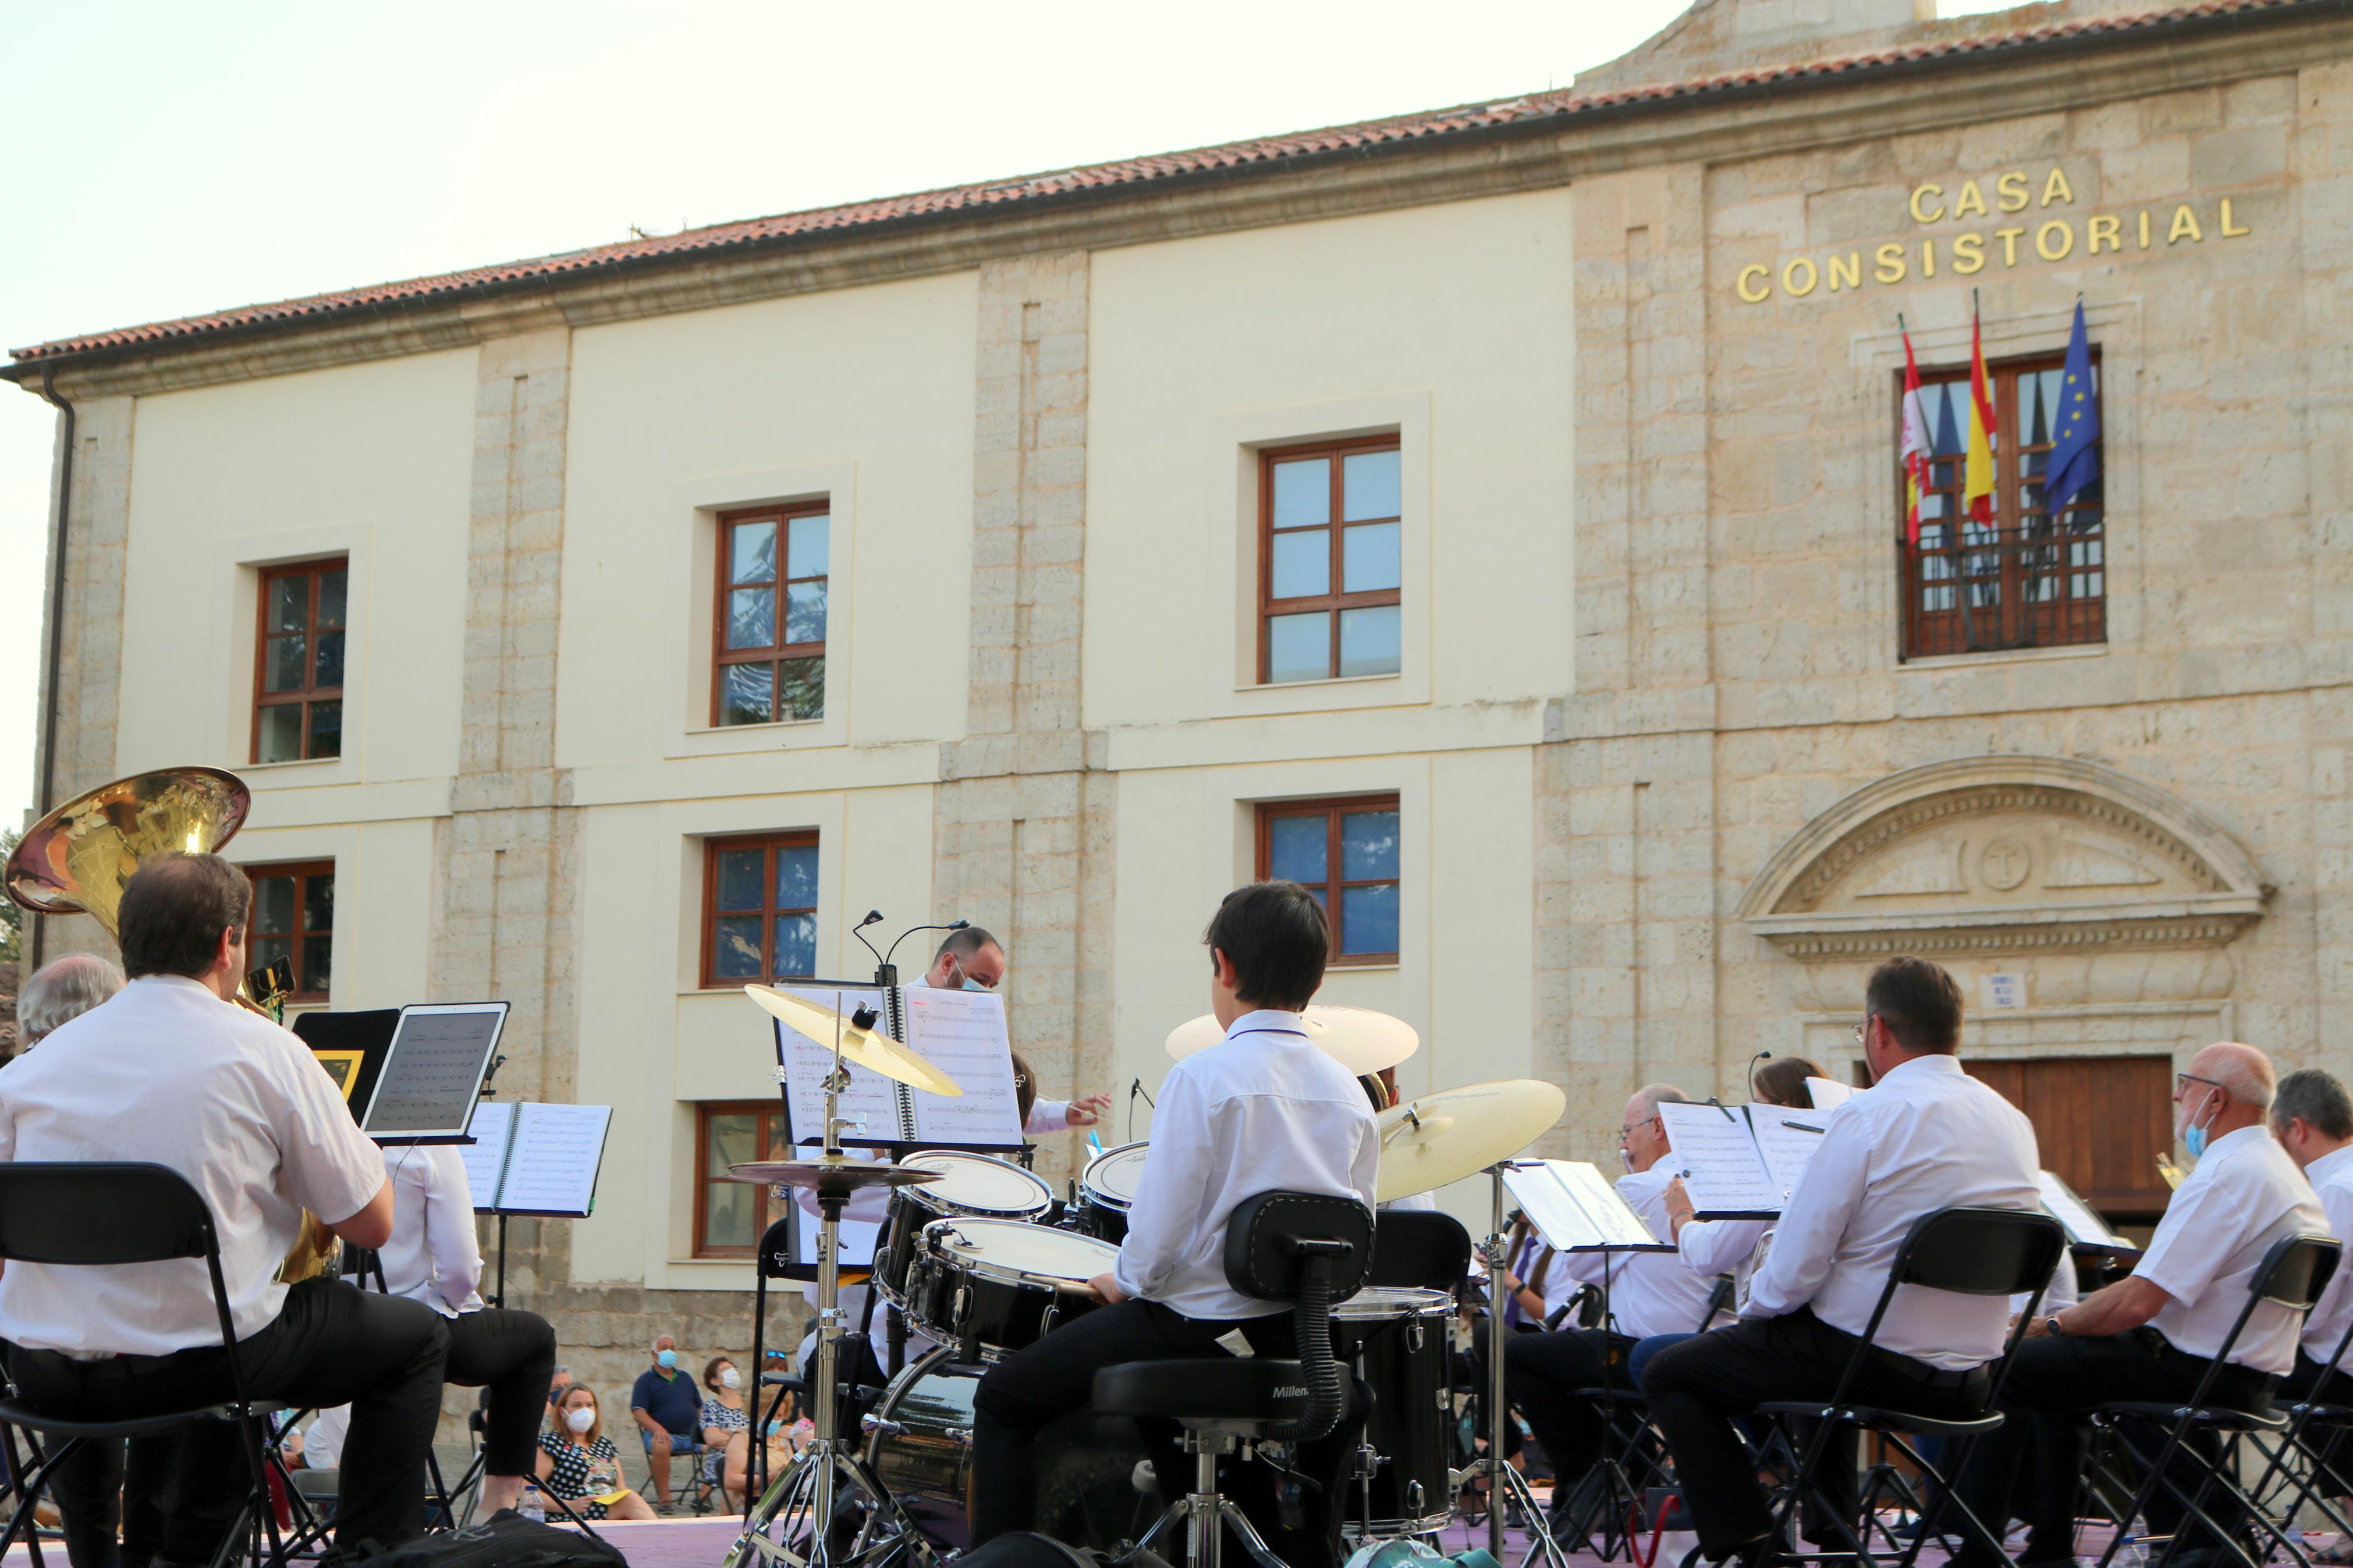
(1992, 855)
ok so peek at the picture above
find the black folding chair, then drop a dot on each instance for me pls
(2308, 1455)
(100, 1214)
(1419, 1250)
(1968, 1251)
(2292, 1274)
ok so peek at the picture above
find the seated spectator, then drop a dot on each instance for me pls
(669, 1414)
(61, 991)
(725, 1428)
(557, 1386)
(578, 1463)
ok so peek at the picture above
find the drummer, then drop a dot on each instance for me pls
(1263, 1111)
(973, 960)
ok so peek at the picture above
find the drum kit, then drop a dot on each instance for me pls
(980, 1259)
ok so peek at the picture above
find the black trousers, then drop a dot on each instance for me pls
(90, 1494)
(2030, 1466)
(1696, 1388)
(1471, 1371)
(332, 1344)
(1022, 1395)
(1542, 1373)
(512, 1354)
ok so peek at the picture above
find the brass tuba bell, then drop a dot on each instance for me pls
(78, 858)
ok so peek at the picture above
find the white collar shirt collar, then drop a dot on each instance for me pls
(1650, 1292)
(1926, 1137)
(2244, 1194)
(2331, 1176)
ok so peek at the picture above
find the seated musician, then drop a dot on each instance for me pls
(433, 1258)
(1926, 1137)
(973, 960)
(171, 1072)
(2154, 1334)
(1265, 1110)
(2311, 1117)
(1649, 1293)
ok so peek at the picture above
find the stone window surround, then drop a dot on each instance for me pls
(1231, 511)
(1875, 359)
(1403, 778)
(691, 825)
(689, 608)
(238, 565)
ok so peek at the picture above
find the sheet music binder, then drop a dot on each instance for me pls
(884, 1112)
(2086, 1229)
(1739, 1162)
(543, 1159)
(1576, 1209)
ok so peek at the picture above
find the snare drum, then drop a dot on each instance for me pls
(1000, 1283)
(1398, 1341)
(1107, 1191)
(970, 1185)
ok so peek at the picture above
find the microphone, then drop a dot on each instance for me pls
(859, 930)
(1751, 1074)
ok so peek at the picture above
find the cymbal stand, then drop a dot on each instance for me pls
(1500, 1474)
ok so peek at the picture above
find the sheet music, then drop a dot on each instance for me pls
(1788, 1138)
(963, 1034)
(2085, 1227)
(434, 1069)
(869, 1105)
(859, 1237)
(1716, 1153)
(485, 1157)
(1829, 1093)
(1611, 1217)
(1574, 1206)
(553, 1170)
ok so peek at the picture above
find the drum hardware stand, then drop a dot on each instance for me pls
(1500, 1474)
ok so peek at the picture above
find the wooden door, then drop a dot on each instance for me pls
(2101, 1122)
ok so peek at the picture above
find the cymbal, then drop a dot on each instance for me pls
(1358, 1039)
(1434, 1139)
(868, 1049)
(827, 1178)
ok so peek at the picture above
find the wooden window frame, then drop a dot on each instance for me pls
(299, 939)
(2014, 560)
(1333, 807)
(310, 693)
(771, 1143)
(779, 652)
(1334, 602)
(799, 839)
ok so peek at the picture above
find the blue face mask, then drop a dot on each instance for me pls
(774, 1427)
(2193, 1138)
(666, 1360)
(972, 985)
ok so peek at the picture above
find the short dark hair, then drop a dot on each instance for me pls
(1782, 1081)
(2316, 1096)
(173, 910)
(1276, 937)
(965, 942)
(1025, 1086)
(1920, 1003)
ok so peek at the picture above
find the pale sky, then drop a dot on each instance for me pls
(167, 159)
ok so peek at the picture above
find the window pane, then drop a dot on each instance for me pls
(266, 951)
(1299, 648)
(804, 691)
(1369, 486)
(326, 729)
(1370, 641)
(741, 874)
(282, 733)
(796, 877)
(332, 587)
(744, 690)
(1303, 493)
(735, 948)
(1369, 845)
(753, 554)
(1298, 849)
(290, 603)
(727, 1214)
(317, 973)
(273, 904)
(795, 946)
(805, 612)
(1369, 558)
(328, 660)
(808, 545)
(1368, 919)
(319, 903)
(281, 664)
(752, 618)
(1302, 564)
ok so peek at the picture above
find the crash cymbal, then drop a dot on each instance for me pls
(1358, 1039)
(1434, 1139)
(870, 1048)
(827, 1178)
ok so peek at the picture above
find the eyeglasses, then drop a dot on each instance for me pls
(1862, 1031)
(1628, 1131)
(2182, 1080)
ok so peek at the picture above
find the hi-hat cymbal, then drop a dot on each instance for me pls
(1358, 1039)
(1434, 1139)
(870, 1048)
(827, 1178)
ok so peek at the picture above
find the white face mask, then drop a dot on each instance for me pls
(730, 1378)
(580, 1420)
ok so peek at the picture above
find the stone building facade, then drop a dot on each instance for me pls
(1667, 778)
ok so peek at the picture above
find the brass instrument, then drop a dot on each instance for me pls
(77, 859)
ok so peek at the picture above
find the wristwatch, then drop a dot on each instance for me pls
(2051, 1326)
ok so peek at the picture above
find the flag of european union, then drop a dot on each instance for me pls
(2074, 462)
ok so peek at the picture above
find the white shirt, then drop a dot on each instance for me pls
(2331, 1176)
(1263, 1111)
(433, 1256)
(1048, 1116)
(1926, 1137)
(2064, 1290)
(1650, 1292)
(322, 1445)
(1714, 1246)
(169, 1073)
(2243, 1195)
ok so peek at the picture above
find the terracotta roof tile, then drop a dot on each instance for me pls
(1368, 136)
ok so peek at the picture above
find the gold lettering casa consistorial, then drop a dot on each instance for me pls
(2038, 235)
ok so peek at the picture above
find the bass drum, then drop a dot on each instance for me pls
(1000, 1284)
(974, 1185)
(1107, 1191)
(1398, 1341)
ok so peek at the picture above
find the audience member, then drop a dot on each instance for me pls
(668, 1411)
(557, 1384)
(578, 1463)
(725, 1429)
(61, 991)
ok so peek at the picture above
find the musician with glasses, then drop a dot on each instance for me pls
(973, 960)
(2153, 1335)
